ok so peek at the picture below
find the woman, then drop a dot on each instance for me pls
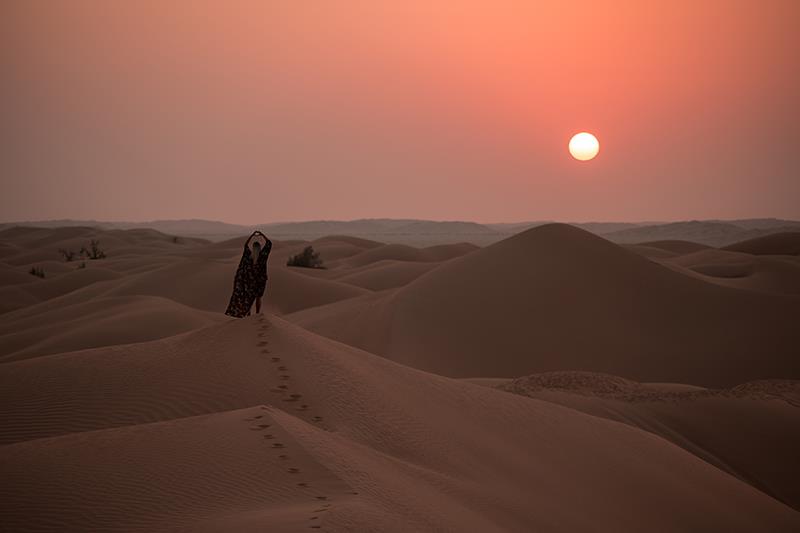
(251, 277)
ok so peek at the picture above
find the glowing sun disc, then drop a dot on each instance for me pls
(583, 146)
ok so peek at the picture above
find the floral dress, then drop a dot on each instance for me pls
(250, 281)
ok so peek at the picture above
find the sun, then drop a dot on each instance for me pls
(583, 146)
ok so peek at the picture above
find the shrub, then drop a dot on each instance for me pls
(68, 255)
(82, 264)
(38, 272)
(94, 251)
(308, 259)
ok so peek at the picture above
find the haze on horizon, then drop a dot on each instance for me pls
(341, 110)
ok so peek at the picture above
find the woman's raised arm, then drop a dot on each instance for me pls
(250, 238)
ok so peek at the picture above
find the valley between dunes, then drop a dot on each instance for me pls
(552, 381)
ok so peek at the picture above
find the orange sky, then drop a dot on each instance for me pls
(442, 110)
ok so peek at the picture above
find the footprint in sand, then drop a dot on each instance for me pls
(269, 437)
(278, 445)
(283, 457)
(263, 343)
(283, 368)
(316, 418)
(302, 484)
(275, 359)
(265, 350)
(283, 377)
(259, 427)
(254, 418)
(293, 470)
(303, 407)
(321, 497)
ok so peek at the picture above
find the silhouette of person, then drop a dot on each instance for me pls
(251, 277)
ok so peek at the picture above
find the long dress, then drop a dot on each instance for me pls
(250, 281)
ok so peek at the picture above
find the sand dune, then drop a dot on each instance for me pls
(180, 281)
(354, 241)
(402, 252)
(785, 243)
(147, 263)
(209, 473)
(98, 322)
(7, 249)
(556, 297)
(675, 246)
(767, 275)
(13, 298)
(14, 276)
(353, 443)
(748, 430)
(290, 291)
(43, 244)
(777, 274)
(649, 252)
(708, 232)
(70, 281)
(387, 274)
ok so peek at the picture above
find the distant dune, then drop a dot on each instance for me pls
(422, 233)
(774, 274)
(401, 252)
(676, 247)
(785, 243)
(387, 274)
(711, 233)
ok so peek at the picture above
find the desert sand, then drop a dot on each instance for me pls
(559, 298)
(128, 401)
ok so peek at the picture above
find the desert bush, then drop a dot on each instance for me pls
(68, 255)
(82, 264)
(36, 271)
(94, 251)
(308, 258)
